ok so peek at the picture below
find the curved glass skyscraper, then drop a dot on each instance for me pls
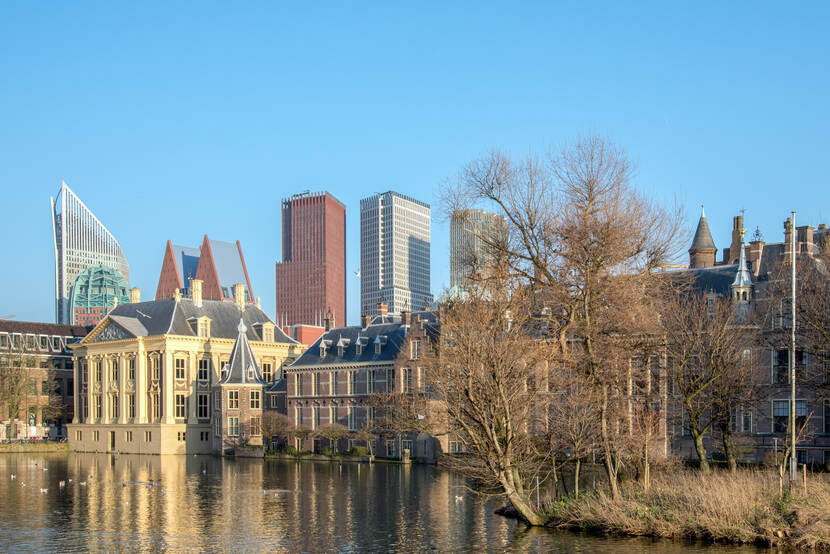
(81, 242)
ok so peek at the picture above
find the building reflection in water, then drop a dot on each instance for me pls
(204, 503)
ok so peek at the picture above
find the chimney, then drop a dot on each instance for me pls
(239, 295)
(328, 320)
(177, 294)
(365, 320)
(805, 239)
(406, 317)
(135, 295)
(788, 238)
(196, 292)
(383, 308)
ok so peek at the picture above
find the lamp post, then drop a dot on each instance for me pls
(793, 464)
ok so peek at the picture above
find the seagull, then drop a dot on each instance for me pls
(22, 484)
(70, 480)
(82, 483)
(458, 498)
(61, 484)
(45, 469)
(14, 476)
(204, 472)
(89, 476)
(127, 502)
(43, 491)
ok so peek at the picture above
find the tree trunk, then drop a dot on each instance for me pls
(646, 468)
(527, 511)
(726, 438)
(576, 478)
(701, 451)
(610, 470)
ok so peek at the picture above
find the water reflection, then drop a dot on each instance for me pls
(203, 503)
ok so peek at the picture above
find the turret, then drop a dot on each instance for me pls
(702, 252)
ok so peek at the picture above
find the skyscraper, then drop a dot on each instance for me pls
(470, 230)
(81, 242)
(394, 253)
(311, 279)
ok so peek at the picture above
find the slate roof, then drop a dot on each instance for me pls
(38, 328)
(169, 316)
(386, 330)
(715, 279)
(703, 236)
(241, 368)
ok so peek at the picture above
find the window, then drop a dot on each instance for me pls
(255, 399)
(96, 435)
(274, 401)
(267, 371)
(44, 387)
(315, 388)
(390, 379)
(414, 349)
(746, 422)
(781, 414)
(352, 382)
(154, 369)
(128, 436)
(156, 405)
(203, 436)
(217, 401)
(99, 410)
(217, 427)
(131, 369)
(233, 426)
(255, 427)
(351, 419)
(335, 386)
(70, 387)
(33, 387)
(180, 406)
(114, 406)
(406, 383)
(202, 406)
(358, 347)
(323, 349)
(98, 372)
(377, 347)
(370, 381)
(233, 399)
(332, 414)
(390, 448)
(204, 368)
(315, 417)
(182, 436)
(4, 340)
(58, 387)
(131, 406)
(406, 445)
(79, 435)
(268, 334)
(44, 342)
(114, 371)
(298, 416)
(456, 447)
(827, 417)
(84, 407)
(179, 362)
(148, 436)
(298, 384)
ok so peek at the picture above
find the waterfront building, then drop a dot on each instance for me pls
(746, 275)
(470, 233)
(311, 279)
(81, 241)
(148, 375)
(217, 264)
(36, 365)
(394, 253)
(337, 379)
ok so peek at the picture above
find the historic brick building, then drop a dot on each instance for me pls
(311, 279)
(149, 375)
(46, 382)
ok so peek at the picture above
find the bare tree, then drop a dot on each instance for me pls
(332, 432)
(705, 339)
(581, 235)
(275, 424)
(14, 379)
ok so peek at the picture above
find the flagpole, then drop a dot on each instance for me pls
(793, 463)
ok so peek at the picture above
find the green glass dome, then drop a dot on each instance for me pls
(94, 292)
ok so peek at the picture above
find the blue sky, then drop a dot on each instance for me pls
(175, 120)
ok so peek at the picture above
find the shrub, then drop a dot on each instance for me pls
(358, 451)
(326, 451)
(291, 451)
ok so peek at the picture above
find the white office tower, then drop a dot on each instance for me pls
(471, 258)
(394, 253)
(81, 242)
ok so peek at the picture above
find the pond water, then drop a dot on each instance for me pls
(203, 503)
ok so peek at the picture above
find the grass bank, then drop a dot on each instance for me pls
(741, 508)
(14, 447)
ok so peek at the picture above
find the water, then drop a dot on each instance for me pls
(202, 503)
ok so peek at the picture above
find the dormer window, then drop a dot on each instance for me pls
(340, 350)
(324, 346)
(377, 347)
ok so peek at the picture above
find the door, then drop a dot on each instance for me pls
(112, 440)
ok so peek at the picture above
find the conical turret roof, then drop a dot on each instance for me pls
(242, 367)
(703, 237)
(742, 276)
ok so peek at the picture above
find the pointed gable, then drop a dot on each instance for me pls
(242, 368)
(169, 279)
(211, 288)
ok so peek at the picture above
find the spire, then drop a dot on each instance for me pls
(742, 276)
(242, 367)
(703, 237)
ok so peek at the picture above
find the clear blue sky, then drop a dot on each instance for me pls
(172, 119)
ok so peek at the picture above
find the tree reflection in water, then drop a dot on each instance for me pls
(206, 503)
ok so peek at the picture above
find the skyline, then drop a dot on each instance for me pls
(185, 123)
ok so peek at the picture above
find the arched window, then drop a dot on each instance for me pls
(743, 295)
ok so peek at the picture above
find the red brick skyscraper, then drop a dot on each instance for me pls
(311, 279)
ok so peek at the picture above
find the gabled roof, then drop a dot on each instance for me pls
(716, 279)
(241, 368)
(703, 236)
(174, 317)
